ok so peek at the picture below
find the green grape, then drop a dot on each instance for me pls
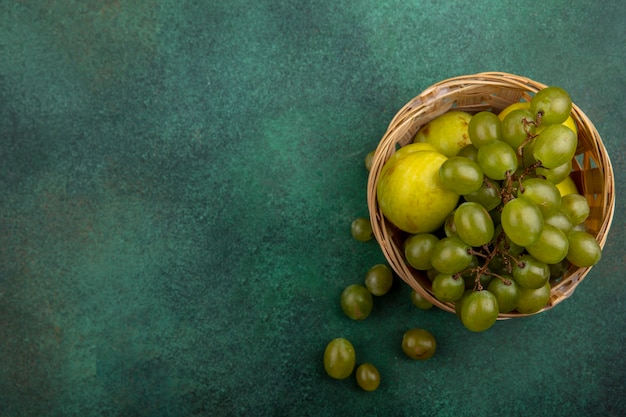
(541, 192)
(557, 174)
(379, 279)
(368, 377)
(497, 159)
(484, 127)
(419, 301)
(488, 195)
(514, 131)
(559, 220)
(576, 207)
(356, 302)
(554, 104)
(449, 227)
(558, 270)
(473, 224)
(361, 229)
(584, 249)
(419, 344)
(532, 300)
(528, 159)
(418, 248)
(522, 221)
(468, 151)
(555, 146)
(461, 175)
(448, 287)
(479, 311)
(431, 274)
(368, 159)
(528, 272)
(551, 247)
(339, 358)
(507, 293)
(451, 255)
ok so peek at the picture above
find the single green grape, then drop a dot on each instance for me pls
(479, 311)
(555, 145)
(451, 255)
(541, 192)
(461, 175)
(484, 127)
(361, 229)
(557, 174)
(418, 248)
(558, 270)
(576, 207)
(379, 279)
(448, 287)
(473, 224)
(339, 358)
(449, 228)
(584, 249)
(515, 127)
(531, 273)
(554, 104)
(488, 195)
(560, 220)
(532, 300)
(419, 301)
(368, 377)
(419, 344)
(551, 247)
(522, 221)
(468, 151)
(356, 302)
(507, 293)
(497, 159)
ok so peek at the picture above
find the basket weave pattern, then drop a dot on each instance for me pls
(493, 91)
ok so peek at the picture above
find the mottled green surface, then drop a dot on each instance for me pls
(177, 182)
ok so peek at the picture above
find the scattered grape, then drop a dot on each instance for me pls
(356, 302)
(419, 301)
(419, 344)
(361, 229)
(379, 279)
(339, 358)
(368, 377)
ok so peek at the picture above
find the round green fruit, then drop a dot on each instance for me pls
(411, 195)
(448, 132)
(419, 344)
(339, 358)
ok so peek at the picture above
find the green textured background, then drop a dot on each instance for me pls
(177, 183)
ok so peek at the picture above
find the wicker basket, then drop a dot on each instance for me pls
(592, 170)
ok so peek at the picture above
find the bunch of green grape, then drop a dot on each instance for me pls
(513, 231)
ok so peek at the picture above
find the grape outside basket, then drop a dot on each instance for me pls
(592, 170)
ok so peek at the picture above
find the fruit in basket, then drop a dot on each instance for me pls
(447, 132)
(551, 105)
(525, 105)
(411, 195)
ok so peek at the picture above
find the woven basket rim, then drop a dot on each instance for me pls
(445, 95)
